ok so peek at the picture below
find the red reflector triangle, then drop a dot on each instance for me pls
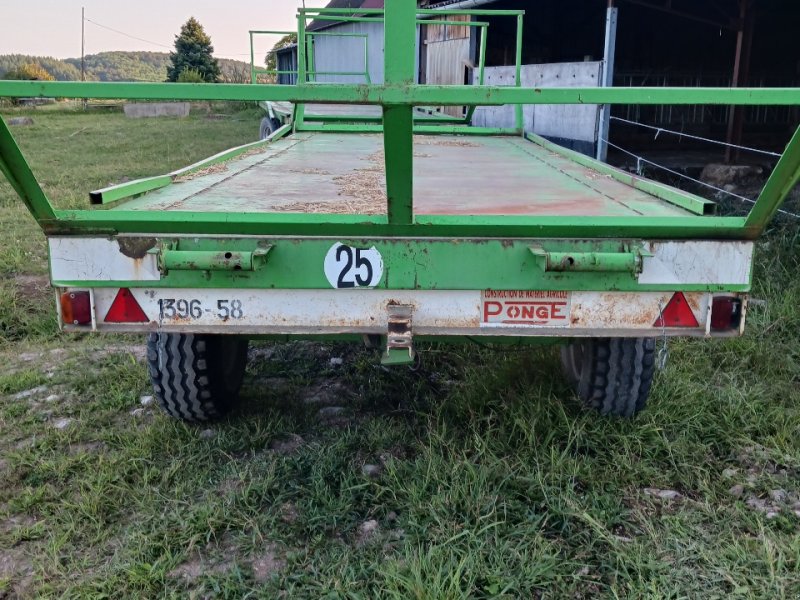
(125, 309)
(677, 313)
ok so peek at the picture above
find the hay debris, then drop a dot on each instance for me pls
(435, 140)
(212, 170)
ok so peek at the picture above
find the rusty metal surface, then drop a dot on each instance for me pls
(435, 312)
(453, 175)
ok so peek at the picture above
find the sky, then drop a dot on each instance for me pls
(53, 27)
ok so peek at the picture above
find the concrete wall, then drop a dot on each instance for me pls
(574, 125)
(142, 110)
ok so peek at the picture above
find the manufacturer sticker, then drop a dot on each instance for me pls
(525, 308)
(347, 267)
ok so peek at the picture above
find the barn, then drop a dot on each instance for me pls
(722, 43)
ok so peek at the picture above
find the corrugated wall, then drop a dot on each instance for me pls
(562, 122)
(346, 54)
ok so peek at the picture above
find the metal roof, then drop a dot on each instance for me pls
(318, 25)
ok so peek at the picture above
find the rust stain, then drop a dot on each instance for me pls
(136, 248)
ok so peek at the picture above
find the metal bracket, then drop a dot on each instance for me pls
(628, 260)
(399, 340)
(170, 258)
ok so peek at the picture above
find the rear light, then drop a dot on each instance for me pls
(677, 313)
(125, 309)
(726, 313)
(76, 308)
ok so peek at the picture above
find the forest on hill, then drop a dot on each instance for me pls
(117, 66)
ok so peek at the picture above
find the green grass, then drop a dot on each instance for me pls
(492, 482)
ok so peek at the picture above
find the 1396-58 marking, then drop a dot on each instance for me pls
(171, 308)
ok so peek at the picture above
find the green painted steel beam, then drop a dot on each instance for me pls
(309, 125)
(16, 169)
(691, 202)
(400, 34)
(295, 263)
(784, 178)
(435, 226)
(421, 11)
(518, 108)
(416, 95)
(359, 19)
(418, 117)
(140, 186)
(129, 189)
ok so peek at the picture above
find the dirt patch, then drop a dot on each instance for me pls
(289, 513)
(267, 564)
(16, 568)
(86, 448)
(220, 558)
(288, 444)
(213, 559)
(327, 392)
(367, 531)
(32, 286)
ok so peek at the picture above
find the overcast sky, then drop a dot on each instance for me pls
(53, 27)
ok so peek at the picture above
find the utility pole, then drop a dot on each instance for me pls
(83, 43)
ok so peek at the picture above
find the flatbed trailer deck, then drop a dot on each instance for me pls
(397, 226)
(453, 175)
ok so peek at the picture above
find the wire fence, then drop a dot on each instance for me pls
(659, 130)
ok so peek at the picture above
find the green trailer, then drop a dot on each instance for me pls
(391, 223)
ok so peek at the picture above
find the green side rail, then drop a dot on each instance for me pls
(398, 96)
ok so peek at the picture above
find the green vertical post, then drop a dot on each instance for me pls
(252, 61)
(482, 59)
(400, 33)
(302, 77)
(312, 66)
(519, 109)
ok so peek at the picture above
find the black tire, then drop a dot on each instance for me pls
(196, 378)
(611, 375)
(268, 127)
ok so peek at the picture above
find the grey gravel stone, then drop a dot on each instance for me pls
(736, 491)
(371, 471)
(29, 393)
(146, 400)
(663, 494)
(207, 434)
(63, 423)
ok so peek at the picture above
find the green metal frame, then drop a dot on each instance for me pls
(397, 97)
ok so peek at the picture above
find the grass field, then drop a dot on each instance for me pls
(475, 476)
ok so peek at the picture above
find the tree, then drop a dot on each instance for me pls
(31, 72)
(193, 50)
(272, 57)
